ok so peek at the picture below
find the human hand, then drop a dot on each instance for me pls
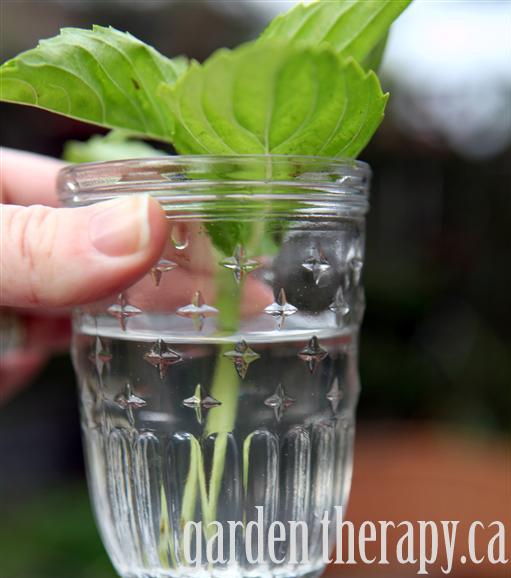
(54, 258)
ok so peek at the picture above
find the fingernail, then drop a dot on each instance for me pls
(121, 227)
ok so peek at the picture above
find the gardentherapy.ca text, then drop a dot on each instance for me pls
(420, 544)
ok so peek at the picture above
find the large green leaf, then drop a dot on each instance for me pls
(350, 27)
(101, 76)
(374, 59)
(274, 98)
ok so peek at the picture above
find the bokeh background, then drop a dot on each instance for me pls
(435, 412)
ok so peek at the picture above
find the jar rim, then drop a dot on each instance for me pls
(175, 175)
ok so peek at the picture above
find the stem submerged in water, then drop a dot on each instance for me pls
(225, 387)
(221, 420)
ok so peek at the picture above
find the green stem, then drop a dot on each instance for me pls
(221, 420)
(166, 543)
(225, 387)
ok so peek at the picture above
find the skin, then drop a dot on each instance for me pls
(54, 258)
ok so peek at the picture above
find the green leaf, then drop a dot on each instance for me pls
(227, 234)
(116, 145)
(350, 27)
(101, 76)
(274, 98)
(374, 59)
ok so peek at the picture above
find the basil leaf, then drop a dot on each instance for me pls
(374, 59)
(350, 27)
(101, 76)
(116, 145)
(273, 98)
(226, 234)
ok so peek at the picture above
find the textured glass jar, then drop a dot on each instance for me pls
(226, 378)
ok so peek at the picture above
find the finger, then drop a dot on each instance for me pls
(195, 268)
(16, 370)
(46, 334)
(28, 178)
(63, 257)
(41, 336)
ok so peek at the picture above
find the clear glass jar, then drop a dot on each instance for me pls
(226, 379)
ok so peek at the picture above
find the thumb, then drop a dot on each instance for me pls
(61, 257)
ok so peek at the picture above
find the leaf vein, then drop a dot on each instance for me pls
(81, 80)
(357, 134)
(149, 93)
(305, 121)
(114, 82)
(361, 30)
(340, 120)
(184, 125)
(210, 122)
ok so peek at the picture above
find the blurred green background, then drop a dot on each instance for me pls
(436, 341)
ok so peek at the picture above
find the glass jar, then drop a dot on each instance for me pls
(220, 388)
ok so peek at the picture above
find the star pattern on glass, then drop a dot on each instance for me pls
(163, 266)
(161, 356)
(317, 264)
(356, 265)
(242, 356)
(339, 306)
(197, 311)
(129, 401)
(279, 402)
(280, 309)
(201, 402)
(122, 311)
(99, 356)
(335, 395)
(239, 264)
(313, 354)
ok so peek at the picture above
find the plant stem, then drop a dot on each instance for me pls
(225, 386)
